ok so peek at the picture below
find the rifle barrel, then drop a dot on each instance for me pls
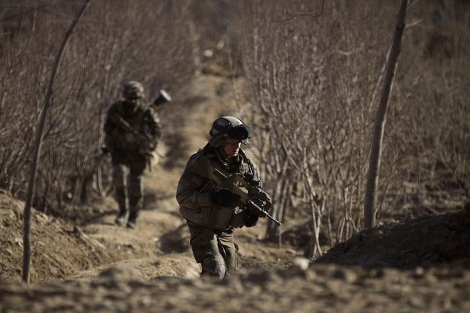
(251, 203)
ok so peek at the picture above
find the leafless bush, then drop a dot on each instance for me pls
(315, 79)
(314, 69)
(314, 91)
(430, 121)
(115, 42)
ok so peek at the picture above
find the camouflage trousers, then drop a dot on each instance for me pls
(215, 250)
(128, 170)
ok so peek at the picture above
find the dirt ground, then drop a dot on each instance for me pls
(416, 265)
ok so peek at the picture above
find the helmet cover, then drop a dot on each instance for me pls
(229, 128)
(133, 90)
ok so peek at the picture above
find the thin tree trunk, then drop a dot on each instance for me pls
(37, 150)
(376, 149)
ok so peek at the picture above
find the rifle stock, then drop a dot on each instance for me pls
(256, 198)
(120, 122)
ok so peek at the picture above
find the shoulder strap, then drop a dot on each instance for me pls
(119, 108)
(247, 160)
(209, 153)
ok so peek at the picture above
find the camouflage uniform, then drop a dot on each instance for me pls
(128, 156)
(212, 226)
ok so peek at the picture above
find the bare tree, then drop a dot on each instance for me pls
(376, 149)
(37, 148)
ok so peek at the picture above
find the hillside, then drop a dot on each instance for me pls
(92, 265)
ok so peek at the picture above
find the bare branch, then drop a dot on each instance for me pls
(303, 14)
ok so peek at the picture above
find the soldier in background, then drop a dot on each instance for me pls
(211, 213)
(132, 132)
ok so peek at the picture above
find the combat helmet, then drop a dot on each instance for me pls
(133, 90)
(229, 127)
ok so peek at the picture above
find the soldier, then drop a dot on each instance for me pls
(132, 131)
(212, 214)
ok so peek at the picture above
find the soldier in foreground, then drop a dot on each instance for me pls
(211, 197)
(132, 131)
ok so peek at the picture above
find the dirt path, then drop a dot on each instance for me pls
(159, 246)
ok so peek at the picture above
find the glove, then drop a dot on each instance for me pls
(250, 178)
(105, 150)
(255, 211)
(152, 144)
(147, 146)
(223, 197)
(249, 219)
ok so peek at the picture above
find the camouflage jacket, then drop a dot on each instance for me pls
(140, 118)
(193, 190)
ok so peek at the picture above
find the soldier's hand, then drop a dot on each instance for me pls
(250, 220)
(223, 197)
(250, 178)
(255, 209)
(153, 144)
(105, 150)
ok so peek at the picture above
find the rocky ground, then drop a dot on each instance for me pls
(91, 265)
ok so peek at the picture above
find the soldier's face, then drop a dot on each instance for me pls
(232, 147)
(132, 100)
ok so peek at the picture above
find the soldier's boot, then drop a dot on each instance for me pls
(120, 191)
(214, 266)
(121, 218)
(134, 211)
(123, 213)
(132, 221)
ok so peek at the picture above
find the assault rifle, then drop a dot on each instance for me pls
(256, 199)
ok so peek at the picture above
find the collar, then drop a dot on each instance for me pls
(236, 161)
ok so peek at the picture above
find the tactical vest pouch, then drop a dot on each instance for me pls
(124, 141)
(222, 217)
(200, 216)
(214, 217)
(238, 219)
